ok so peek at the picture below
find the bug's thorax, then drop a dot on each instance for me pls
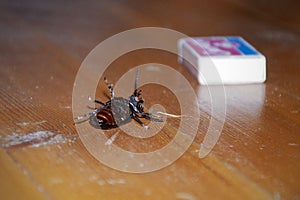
(120, 110)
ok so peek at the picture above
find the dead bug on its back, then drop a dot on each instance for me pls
(118, 110)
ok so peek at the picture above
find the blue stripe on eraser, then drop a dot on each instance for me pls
(243, 46)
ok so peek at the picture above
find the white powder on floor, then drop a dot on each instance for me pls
(36, 139)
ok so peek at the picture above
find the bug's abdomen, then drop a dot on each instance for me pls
(105, 116)
(103, 119)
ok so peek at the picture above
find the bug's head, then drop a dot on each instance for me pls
(137, 101)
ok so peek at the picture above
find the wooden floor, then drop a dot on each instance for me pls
(43, 43)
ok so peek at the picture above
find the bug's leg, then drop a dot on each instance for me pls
(110, 87)
(99, 102)
(82, 118)
(139, 121)
(148, 116)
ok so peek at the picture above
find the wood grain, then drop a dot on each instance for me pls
(42, 44)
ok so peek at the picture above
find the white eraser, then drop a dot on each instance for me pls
(222, 60)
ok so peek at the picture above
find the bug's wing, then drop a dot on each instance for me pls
(151, 118)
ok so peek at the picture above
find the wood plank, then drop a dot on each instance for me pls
(16, 183)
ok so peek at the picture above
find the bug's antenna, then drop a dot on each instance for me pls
(136, 79)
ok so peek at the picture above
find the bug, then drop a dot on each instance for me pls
(118, 110)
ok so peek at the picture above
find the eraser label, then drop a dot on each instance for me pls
(221, 46)
(222, 60)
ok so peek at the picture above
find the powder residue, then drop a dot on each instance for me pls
(186, 196)
(31, 123)
(36, 139)
(112, 139)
